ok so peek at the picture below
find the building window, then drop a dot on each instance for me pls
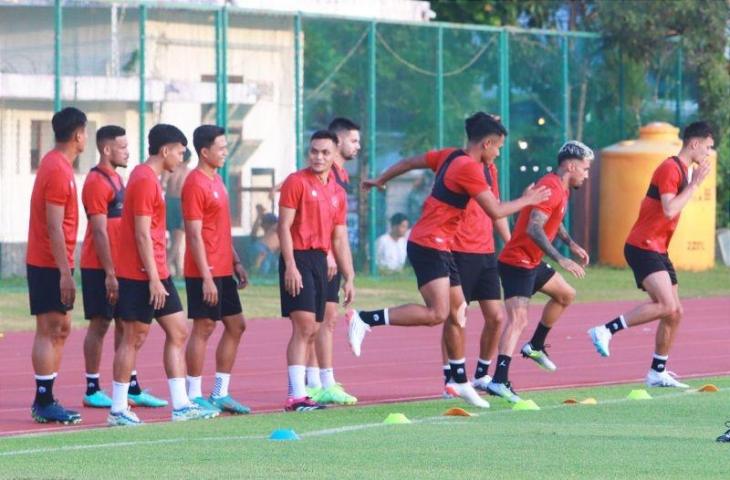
(42, 140)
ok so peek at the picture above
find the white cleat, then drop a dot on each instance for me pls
(356, 330)
(663, 379)
(601, 337)
(467, 393)
(481, 383)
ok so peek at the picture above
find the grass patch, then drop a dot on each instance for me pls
(669, 437)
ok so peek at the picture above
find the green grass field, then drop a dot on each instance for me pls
(671, 436)
(262, 300)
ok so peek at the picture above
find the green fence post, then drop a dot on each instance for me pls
(504, 160)
(565, 83)
(58, 26)
(372, 125)
(298, 90)
(680, 71)
(621, 95)
(222, 49)
(218, 67)
(440, 87)
(142, 100)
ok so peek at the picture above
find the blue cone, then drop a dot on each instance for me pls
(284, 434)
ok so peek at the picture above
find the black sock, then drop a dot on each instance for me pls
(447, 374)
(373, 318)
(482, 368)
(134, 385)
(44, 390)
(615, 325)
(92, 384)
(458, 371)
(538, 338)
(501, 374)
(659, 363)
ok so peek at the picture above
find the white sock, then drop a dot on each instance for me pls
(313, 377)
(119, 397)
(296, 381)
(177, 393)
(220, 389)
(195, 387)
(387, 317)
(327, 376)
(623, 321)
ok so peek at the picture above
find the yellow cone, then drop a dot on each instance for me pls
(525, 405)
(589, 401)
(396, 419)
(639, 394)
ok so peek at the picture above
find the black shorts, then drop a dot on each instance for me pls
(430, 264)
(93, 289)
(44, 290)
(312, 265)
(134, 301)
(228, 301)
(645, 262)
(479, 276)
(333, 288)
(523, 282)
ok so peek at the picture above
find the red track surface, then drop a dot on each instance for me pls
(396, 364)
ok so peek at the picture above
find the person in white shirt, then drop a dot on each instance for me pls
(390, 247)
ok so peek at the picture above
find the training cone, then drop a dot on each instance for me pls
(396, 419)
(284, 434)
(639, 394)
(525, 405)
(457, 412)
(709, 388)
(589, 401)
(570, 401)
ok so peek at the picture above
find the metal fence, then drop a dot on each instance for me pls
(410, 86)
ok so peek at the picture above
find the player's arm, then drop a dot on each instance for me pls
(343, 256)
(496, 209)
(143, 242)
(103, 249)
(403, 166)
(536, 231)
(54, 221)
(292, 278)
(238, 269)
(194, 237)
(575, 249)
(672, 204)
(501, 226)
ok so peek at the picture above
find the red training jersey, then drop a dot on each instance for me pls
(521, 251)
(319, 208)
(206, 199)
(55, 184)
(476, 231)
(439, 221)
(143, 198)
(652, 230)
(96, 195)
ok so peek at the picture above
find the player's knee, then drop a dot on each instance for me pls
(204, 328)
(437, 316)
(566, 297)
(497, 320)
(667, 309)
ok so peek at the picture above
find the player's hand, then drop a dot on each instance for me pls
(367, 184)
(241, 275)
(293, 281)
(348, 290)
(210, 292)
(700, 172)
(68, 290)
(535, 195)
(580, 254)
(158, 294)
(112, 289)
(331, 266)
(572, 267)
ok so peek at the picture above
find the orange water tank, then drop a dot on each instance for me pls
(626, 169)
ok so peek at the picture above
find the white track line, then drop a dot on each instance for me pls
(314, 433)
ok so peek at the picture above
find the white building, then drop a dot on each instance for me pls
(100, 50)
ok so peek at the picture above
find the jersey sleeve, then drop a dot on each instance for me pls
(468, 177)
(341, 217)
(291, 192)
(193, 201)
(667, 178)
(143, 197)
(96, 196)
(434, 157)
(550, 204)
(58, 188)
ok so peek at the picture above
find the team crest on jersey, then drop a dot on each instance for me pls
(314, 193)
(215, 195)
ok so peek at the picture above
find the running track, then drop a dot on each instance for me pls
(396, 364)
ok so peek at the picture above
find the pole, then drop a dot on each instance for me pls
(621, 94)
(372, 125)
(222, 50)
(440, 87)
(566, 119)
(142, 100)
(680, 71)
(58, 26)
(298, 87)
(504, 170)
